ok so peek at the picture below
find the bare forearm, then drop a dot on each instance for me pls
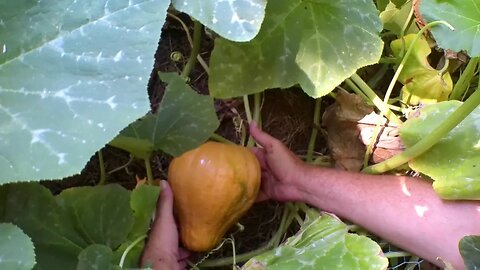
(402, 210)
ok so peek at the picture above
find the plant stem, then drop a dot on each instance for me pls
(190, 41)
(431, 139)
(396, 254)
(313, 136)
(383, 107)
(462, 84)
(127, 250)
(256, 107)
(256, 115)
(148, 168)
(101, 163)
(246, 105)
(219, 138)
(192, 60)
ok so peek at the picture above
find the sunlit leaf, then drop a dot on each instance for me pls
(72, 75)
(238, 20)
(454, 162)
(422, 83)
(463, 15)
(323, 242)
(183, 121)
(16, 248)
(394, 18)
(316, 44)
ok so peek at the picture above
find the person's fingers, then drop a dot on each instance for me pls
(165, 202)
(164, 234)
(264, 139)
(260, 154)
(183, 254)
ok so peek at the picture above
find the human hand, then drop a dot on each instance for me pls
(162, 251)
(282, 170)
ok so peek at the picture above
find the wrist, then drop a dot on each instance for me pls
(309, 182)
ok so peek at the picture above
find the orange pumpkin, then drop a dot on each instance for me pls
(213, 186)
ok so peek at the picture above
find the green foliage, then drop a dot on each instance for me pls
(234, 20)
(183, 121)
(62, 227)
(323, 242)
(453, 161)
(463, 15)
(95, 223)
(316, 44)
(95, 257)
(16, 248)
(470, 251)
(143, 200)
(73, 75)
(422, 83)
(394, 17)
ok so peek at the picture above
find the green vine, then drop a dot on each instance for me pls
(316, 124)
(101, 164)
(130, 247)
(464, 81)
(148, 168)
(192, 60)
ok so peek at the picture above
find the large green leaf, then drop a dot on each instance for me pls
(323, 242)
(463, 15)
(73, 74)
(102, 214)
(454, 161)
(16, 248)
(470, 250)
(238, 20)
(33, 208)
(316, 44)
(95, 257)
(61, 227)
(421, 83)
(184, 120)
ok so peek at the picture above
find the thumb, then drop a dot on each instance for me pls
(165, 202)
(261, 137)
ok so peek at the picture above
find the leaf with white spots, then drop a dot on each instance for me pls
(323, 242)
(470, 250)
(183, 121)
(13, 240)
(236, 20)
(454, 162)
(463, 15)
(95, 257)
(317, 44)
(72, 75)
